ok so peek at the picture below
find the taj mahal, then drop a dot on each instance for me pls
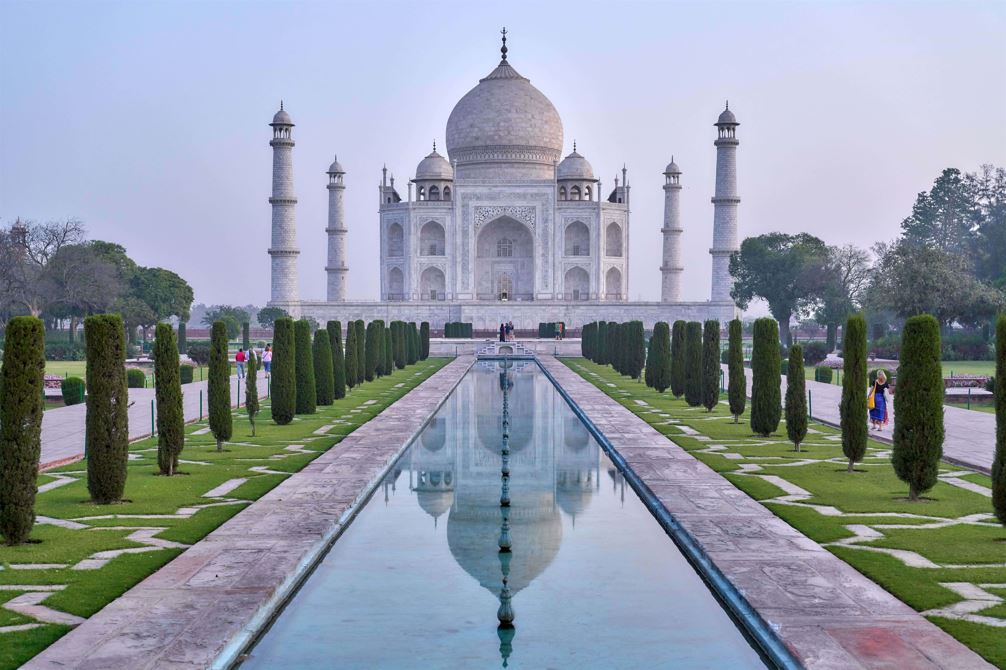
(504, 227)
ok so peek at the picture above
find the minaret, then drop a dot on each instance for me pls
(724, 206)
(671, 269)
(336, 230)
(284, 250)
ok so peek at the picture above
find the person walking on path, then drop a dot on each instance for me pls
(240, 358)
(877, 402)
(267, 359)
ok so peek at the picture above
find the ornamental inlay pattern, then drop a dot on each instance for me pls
(488, 213)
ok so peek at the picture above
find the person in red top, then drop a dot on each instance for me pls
(240, 359)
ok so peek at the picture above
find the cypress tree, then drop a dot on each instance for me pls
(284, 373)
(637, 348)
(307, 392)
(853, 409)
(661, 355)
(246, 336)
(371, 351)
(398, 343)
(999, 462)
(251, 390)
(711, 364)
(323, 373)
(766, 403)
(918, 406)
(380, 371)
(796, 398)
(416, 344)
(183, 339)
(601, 351)
(168, 385)
(106, 434)
(585, 335)
(351, 357)
(693, 363)
(21, 407)
(389, 359)
(220, 385)
(678, 358)
(737, 386)
(424, 334)
(338, 359)
(361, 351)
(650, 362)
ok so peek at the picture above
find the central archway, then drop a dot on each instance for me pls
(504, 261)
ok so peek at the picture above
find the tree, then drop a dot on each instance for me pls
(307, 398)
(398, 343)
(853, 409)
(21, 379)
(636, 349)
(78, 282)
(766, 404)
(999, 462)
(737, 380)
(183, 340)
(601, 354)
(660, 356)
(221, 423)
(283, 390)
(168, 385)
(587, 340)
(412, 343)
(796, 398)
(918, 406)
(351, 357)
(846, 279)
(650, 363)
(232, 317)
(323, 374)
(163, 291)
(787, 271)
(371, 349)
(267, 316)
(334, 329)
(106, 433)
(25, 251)
(361, 351)
(678, 358)
(693, 363)
(944, 218)
(246, 336)
(990, 237)
(711, 364)
(389, 359)
(424, 334)
(251, 390)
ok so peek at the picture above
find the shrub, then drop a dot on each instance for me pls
(874, 372)
(283, 391)
(853, 408)
(306, 387)
(815, 352)
(796, 398)
(361, 351)
(389, 359)
(334, 329)
(766, 403)
(199, 353)
(965, 347)
(351, 359)
(251, 389)
(64, 351)
(823, 375)
(168, 394)
(221, 424)
(22, 378)
(136, 378)
(711, 364)
(183, 338)
(72, 389)
(990, 384)
(372, 351)
(693, 363)
(999, 462)
(323, 374)
(107, 431)
(737, 381)
(246, 336)
(424, 335)
(918, 406)
(678, 359)
(886, 347)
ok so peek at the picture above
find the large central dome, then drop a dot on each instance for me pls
(502, 124)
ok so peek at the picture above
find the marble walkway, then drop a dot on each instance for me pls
(63, 428)
(970, 435)
(830, 616)
(200, 609)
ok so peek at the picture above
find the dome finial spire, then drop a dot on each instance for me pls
(728, 104)
(574, 146)
(434, 146)
(503, 49)
(281, 105)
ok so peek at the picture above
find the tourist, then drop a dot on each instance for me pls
(502, 332)
(509, 331)
(267, 359)
(878, 406)
(240, 358)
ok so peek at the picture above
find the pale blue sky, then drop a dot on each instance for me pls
(148, 119)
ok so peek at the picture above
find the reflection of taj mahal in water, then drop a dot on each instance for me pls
(504, 227)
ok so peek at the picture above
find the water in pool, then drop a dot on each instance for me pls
(417, 580)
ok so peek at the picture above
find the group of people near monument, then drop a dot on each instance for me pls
(507, 332)
(242, 357)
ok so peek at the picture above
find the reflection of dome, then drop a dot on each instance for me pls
(575, 166)
(575, 434)
(434, 166)
(573, 491)
(490, 430)
(435, 503)
(434, 435)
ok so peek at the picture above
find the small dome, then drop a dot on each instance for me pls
(335, 167)
(727, 118)
(281, 118)
(672, 167)
(575, 166)
(434, 166)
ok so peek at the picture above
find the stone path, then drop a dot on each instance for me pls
(970, 435)
(203, 607)
(63, 428)
(829, 615)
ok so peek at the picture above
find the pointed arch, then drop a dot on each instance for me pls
(613, 240)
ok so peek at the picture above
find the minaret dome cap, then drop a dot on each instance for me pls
(335, 167)
(727, 118)
(672, 167)
(281, 118)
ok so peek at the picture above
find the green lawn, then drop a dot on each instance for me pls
(952, 527)
(87, 591)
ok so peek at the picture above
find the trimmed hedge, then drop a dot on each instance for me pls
(186, 373)
(823, 375)
(601, 344)
(693, 363)
(323, 374)
(999, 462)
(283, 390)
(136, 378)
(424, 336)
(334, 329)
(815, 352)
(168, 393)
(307, 393)
(853, 408)
(361, 351)
(737, 380)
(710, 364)
(458, 330)
(221, 423)
(918, 406)
(372, 352)
(350, 356)
(766, 401)
(398, 343)
(796, 398)
(388, 353)
(106, 435)
(72, 389)
(678, 359)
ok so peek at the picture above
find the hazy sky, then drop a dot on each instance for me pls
(148, 119)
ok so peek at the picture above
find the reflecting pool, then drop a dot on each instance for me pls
(418, 580)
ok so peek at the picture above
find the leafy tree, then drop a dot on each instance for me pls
(351, 357)
(232, 318)
(944, 218)
(25, 251)
(796, 398)
(660, 356)
(334, 329)
(106, 435)
(21, 378)
(361, 351)
(990, 237)
(267, 316)
(251, 390)
(918, 406)
(199, 354)
(168, 392)
(678, 358)
(246, 336)
(737, 381)
(283, 391)
(323, 373)
(424, 334)
(766, 404)
(372, 352)
(221, 423)
(163, 291)
(77, 282)
(307, 398)
(846, 278)
(787, 271)
(711, 365)
(693, 363)
(999, 462)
